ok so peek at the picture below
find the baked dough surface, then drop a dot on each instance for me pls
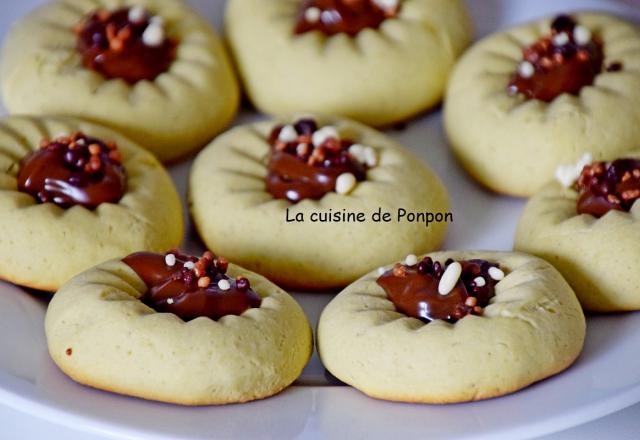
(238, 218)
(379, 77)
(533, 329)
(42, 245)
(598, 257)
(119, 344)
(181, 110)
(513, 146)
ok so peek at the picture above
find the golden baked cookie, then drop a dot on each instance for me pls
(523, 101)
(297, 200)
(452, 327)
(119, 327)
(590, 231)
(375, 61)
(60, 216)
(152, 69)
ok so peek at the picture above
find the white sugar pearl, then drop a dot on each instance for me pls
(136, 14)
(312, 15)
(582, 35)
(387, 4)
(170, 301)
(526, 69)
(189, 265)
(382, 271)
(320, 136)
(224, 284)
(480, 282)
(345, 183)
(157, 19)
(411, 260)
(301, 149)
(288, 134)
(357, 151)
(170, 260)
(153, 35)
(450, 278)
(561, 39)
(371, 158)
(496, 274)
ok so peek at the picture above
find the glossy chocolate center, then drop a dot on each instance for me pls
(414, 290)
(126, 43)
(604, 187)
(191, 287)
(300, 170)
(74, 170)
(567, 60)
(344, 16)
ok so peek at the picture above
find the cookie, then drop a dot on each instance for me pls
(302, 200)
(74, 195)
(523, 101)
(588, 227)
(452, 327)
(178, 329)
(375, 61)
(153, 69)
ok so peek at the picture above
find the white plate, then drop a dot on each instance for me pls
(605, 379)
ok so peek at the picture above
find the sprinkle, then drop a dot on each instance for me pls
(170, 260)
(288, 134)
(302, 149)
(157, 20)
(496, 274)
(382, 271)
(312, 15)
(387, 4)
(472, 301)
(204, 282)
(480, 282)
(224, 284)
(345, 183)
(371, 158)
(582, 35)
(321, 136)
(189, 265)
(411, 260)
(137, 14)
(568, 174)
(170, 301)
(358, 152)
(561, 39)
(153, 35)
(526, 69)
(450, 278)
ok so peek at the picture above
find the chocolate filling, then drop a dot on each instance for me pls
(414, 290)
(113, 45)
(604, 187)
(189, 293)
(342, 16)
(297, 170)
(74, 170)
(564, 62)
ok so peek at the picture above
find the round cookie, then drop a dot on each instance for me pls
(42, 245)
(181, 109)
(236, 215)
(101, 334)
(532, 328)
(598, 256)
(382, 74)
(513, 145)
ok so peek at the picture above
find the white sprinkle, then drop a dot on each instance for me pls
(382, 271)
(224, 284)
(288, 134)
(582, 35)
(496, 274)
(170, 260)
(561, 39)
(387, 5)
(480, 282)
(189, 265)
(371, 158)
(301, 149)
(320, 136)
(526, 69)
(170, 301)
(137, 14)
(157, 19)
(450, 278)
(312, 15)
(345, 183)
(568, 174)
(357, 151)
(153, 35)
(411, 260)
